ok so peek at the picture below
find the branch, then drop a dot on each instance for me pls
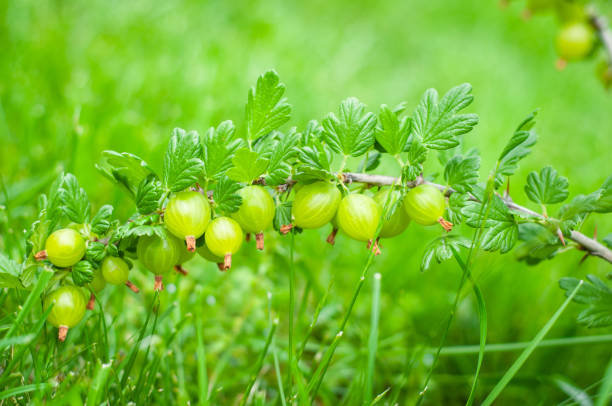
(592, 246)
(604, 32)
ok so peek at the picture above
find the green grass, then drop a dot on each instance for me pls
(77, 78)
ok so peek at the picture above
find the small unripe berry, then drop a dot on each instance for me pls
(186, 216)
(575, 41)
(68, 308)
(425, 205)
(399, 220)
(358, 216)
(256, 212)
(115, 270)
(158, 255)
(224, 238)
(315, 204)
(65, 247)
(98, 282)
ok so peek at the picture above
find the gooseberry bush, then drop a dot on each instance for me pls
(218, 188)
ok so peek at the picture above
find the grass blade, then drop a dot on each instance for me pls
(291, 315)
(98, 384)
(201, 357)
(576, 394)
(23, 389)
(260, 361)
(373, 340)
(606, 386)
(527, 352)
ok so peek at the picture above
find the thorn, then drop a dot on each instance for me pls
(507, 191)
(560, 235)
(595, 232)
(62, 333)
(178, 268)
(227, 262)
(446, 225)
(561, 64)
(584, 257)
(331, 238)
(92, 301)
(259, 240)
(135, 289)
(158, 286)
(40, 255)
(247, 237)
(191, 243)
(285, 229)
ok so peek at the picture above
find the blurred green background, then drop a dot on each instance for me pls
(77, 78)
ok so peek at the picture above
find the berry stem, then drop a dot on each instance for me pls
(227, 261)
(285, 229)
(180, 269)
(191, 243)
(134, 288)
(40, 255)
(446, 225)
(331, 238)
(92, 301)
(62, 332)
(247, 237)
(158, 286)
(259, 239)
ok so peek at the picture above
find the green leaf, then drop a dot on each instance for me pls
(125, 169)
(95, 251)
(370, 161)
(437, 124)
(75, 203)
(608, 240)
(82, 273)
(546, 187)
(539, 244)
(101, 221)
(225, 195)
(266, 109)
(440, 249)
(604, 200)
(282, 215)
(353, 132)
(596, 295)
(219, 145)
(312, 132)
(417, 154)
(248, 166)
(517, 148)
(148, 195)
(283, 150)
(461, 173)
(9, 273)
(315, 161)
(182, 163)
(572, 213)
(456, 203)
(392, 133)
(500, 227)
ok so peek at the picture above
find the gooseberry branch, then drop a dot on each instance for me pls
(590, 245)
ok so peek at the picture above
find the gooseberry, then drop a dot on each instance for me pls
(358, 217)
(399, 220)
(315, 204)
(425, 205)
(97, 284)
(158, 255)
(115, 271)
(68, 308)
(205, 253)
(575, 41)
(186, 216)
(256, 212)
(224, 238)
(64, 248)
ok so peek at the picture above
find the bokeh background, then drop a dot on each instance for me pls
(77, 78)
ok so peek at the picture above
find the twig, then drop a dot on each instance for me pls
(604, 32)
(592, 246)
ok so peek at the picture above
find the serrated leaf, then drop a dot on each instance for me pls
(219, 145)
(546, 187)
(182, 163)
(517, 148)
(315, 162)
(461, 173)
(437, 124)
(148, 195)
(282, 215)
(9, 273)
(539, 243)
(95, 251)
(101, 222)
(75, 203)
(417, 154)
(82, 273)
(500, 226)
(125, 169)
(597, 295)
(283, 150)
(604, 200)
(440, 249)
(266, 109)
(352, 132)
(572, 213)
(225, 195)
(370, 161)
(312, 132)
(248, 166)
(392, 132)
(456, 203)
